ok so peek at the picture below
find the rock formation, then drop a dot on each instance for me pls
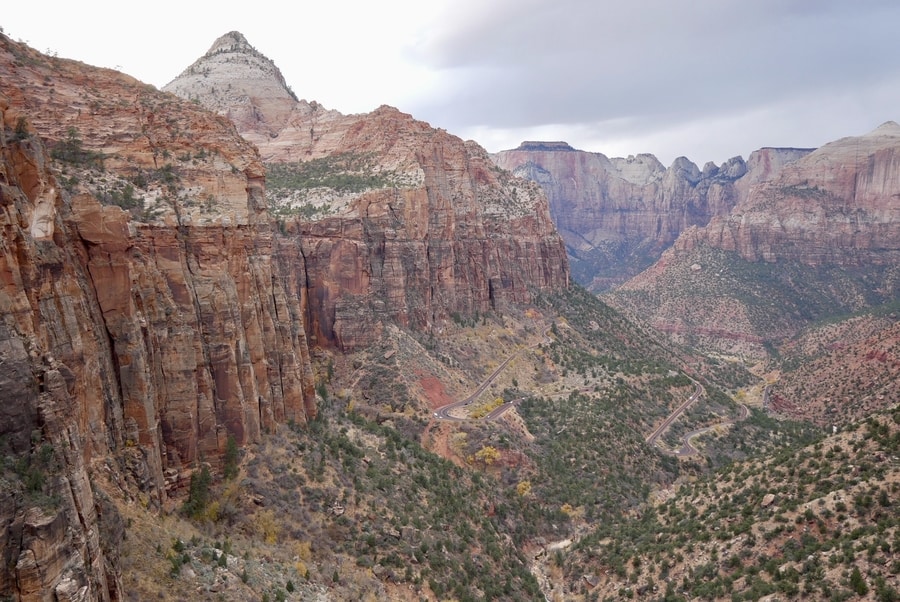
(818, 237)
(153, 309)
(52, 360)
(837, 205)
(396, 221)
(146, 318)
(617, 215)
(238, 81)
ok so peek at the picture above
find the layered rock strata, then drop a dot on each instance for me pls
(837, 205)
(617, 215)
(138, 334)
(56, 381)
(457, 236)
(819, 237)
(395, 221)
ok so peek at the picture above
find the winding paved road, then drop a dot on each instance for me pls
(445, 412)
(662, 428)
(687, 448)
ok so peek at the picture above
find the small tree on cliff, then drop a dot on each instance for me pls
(198, 496)
(232, 455)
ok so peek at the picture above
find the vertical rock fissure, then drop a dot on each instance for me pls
(305, 293)
(110, 339)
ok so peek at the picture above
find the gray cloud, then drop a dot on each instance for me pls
(708, 79)
(658, 65)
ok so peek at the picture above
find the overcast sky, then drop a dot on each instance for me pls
(707, 79)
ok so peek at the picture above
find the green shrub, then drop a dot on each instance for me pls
(198, 496)
(71, 150)
(232, 455)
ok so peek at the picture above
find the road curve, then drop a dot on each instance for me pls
(688, 449)
(662, 428)
(444, 412)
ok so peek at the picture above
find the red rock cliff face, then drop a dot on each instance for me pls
(814, 238)
(460, 237)
(838, 205)
(57, 391)
(618, 215)
(136, 338)
(435, 230)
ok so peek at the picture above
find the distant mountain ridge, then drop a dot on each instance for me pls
(617, 215)
(838, 204)
(817, 238)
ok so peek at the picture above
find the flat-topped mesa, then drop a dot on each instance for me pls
(397, 221)
(530, 145)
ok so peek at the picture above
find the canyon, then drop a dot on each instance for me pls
(155, 312)
(221, 266)
(617, 215)
(733, 258)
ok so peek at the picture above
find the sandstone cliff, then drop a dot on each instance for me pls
(617, 215)
(56, 380)
(836, 205)
(145, 316)
(819, 237)
(395, 221)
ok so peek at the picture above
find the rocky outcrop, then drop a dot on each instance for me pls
(617, 215)
(238, 82)
(146, 317)
(394, 221)
(818, 237)
(837, 205)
